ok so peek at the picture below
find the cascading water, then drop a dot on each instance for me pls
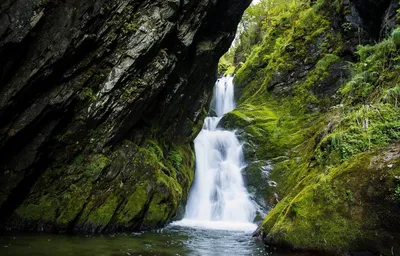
(218, 198)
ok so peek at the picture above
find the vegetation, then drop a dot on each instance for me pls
(396, 37)
(328, 123)
(147, 196)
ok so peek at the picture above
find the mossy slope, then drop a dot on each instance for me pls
(323, 113)
(143, 197)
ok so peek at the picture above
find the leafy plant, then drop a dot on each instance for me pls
(392, 95)
(397, 193)
(396, 37)
(176, 159)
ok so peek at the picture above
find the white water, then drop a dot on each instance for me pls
(218, 198)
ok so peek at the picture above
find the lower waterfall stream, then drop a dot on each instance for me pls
(218, 218)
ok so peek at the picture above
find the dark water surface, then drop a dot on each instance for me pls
(167, 241)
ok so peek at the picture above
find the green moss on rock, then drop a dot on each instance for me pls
(340, 210)
(135, 205)
(44, 210)
(102, 215)
(328, 128)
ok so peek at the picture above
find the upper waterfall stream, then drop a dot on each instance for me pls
(218, 198)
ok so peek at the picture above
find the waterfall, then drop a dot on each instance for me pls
(218, 198)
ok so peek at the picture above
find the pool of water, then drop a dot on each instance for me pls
(173, 240)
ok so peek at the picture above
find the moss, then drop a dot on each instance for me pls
(331, 207)
(95, 165)
(129, 186)
(44, 210)
(72, 202)
(295, 34)
(183, 159)
(374, 70)
(257, 183)
(261, 126)
(236, 118)
(166, 185)
(57, 201)
(103, 214)
(325, 125)
(369, 116)
(130, 19)
(315, 211)
(225, 66)
(361, 129)
(79, 159)
(176, 159)
(135, 205)
(130, 27)
(157, 213)
(164, 202)
(88, 93)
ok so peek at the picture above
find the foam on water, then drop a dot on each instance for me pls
(216, 225)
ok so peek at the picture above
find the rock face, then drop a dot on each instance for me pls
(318, 112)
(99, 103)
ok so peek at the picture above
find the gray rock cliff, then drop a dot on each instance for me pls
(99, 103)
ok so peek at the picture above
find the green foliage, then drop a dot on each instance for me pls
(176, 159)
(319, 145)
(369, 117)
(397, 193)
(225, 66)
(350, 196)
(326, 206)
(295, 35)
(396, 37)
(360, 129)
(371, 73)
(392, 96)
(250, 30)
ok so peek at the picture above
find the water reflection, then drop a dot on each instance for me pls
(169, 241)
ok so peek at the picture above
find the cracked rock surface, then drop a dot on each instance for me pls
(99, 103)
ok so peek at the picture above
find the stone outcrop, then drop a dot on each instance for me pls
(99, 103)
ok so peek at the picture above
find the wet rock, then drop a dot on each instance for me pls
(99, 102)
